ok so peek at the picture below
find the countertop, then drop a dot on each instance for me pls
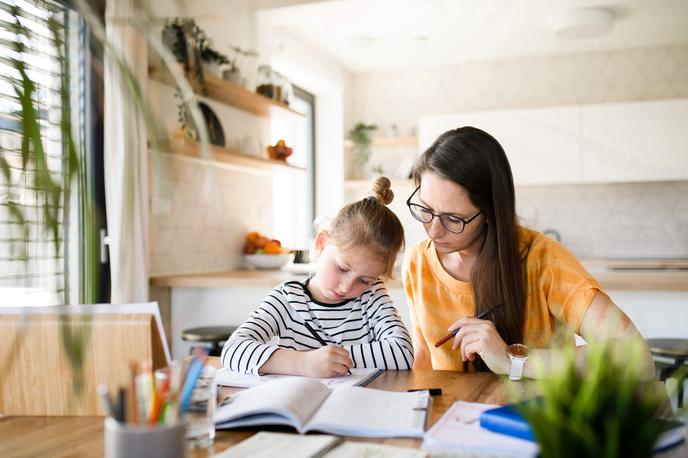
(613, 274)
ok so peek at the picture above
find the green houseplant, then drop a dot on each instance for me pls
(361, 137)
(606, 412)
(53, 187)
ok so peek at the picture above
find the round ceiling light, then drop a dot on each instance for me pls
(583, 22)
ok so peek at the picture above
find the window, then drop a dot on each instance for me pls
(293, 191)
(33, 269)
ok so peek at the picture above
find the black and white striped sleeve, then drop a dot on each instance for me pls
(391, 346)
(249, 346)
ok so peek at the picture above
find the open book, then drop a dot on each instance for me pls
(358, 377)
(270, 444)
(309, 405)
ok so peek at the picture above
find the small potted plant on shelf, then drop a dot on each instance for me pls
(360, 136)
(213, 60)
(231, 71)
(179, 35)
(186, 133)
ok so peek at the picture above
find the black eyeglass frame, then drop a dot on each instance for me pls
(465, 221)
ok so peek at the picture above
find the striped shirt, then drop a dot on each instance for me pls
(368, 326)
(558, 293)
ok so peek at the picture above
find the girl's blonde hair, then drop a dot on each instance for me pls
(370, 223)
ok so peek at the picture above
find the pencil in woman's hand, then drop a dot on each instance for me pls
(449, 336)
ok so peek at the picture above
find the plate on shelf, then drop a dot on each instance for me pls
(215, 133)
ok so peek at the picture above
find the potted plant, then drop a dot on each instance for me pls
(179, 35)
(606, 412)
(360, 136)
(231, 71)
(213, 60)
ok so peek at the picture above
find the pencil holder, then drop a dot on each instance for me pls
(141, 441)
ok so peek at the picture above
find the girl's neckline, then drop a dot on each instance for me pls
(324, 304)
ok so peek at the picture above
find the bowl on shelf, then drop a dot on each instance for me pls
(268, 261)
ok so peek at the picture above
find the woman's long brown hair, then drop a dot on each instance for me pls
(476, 161)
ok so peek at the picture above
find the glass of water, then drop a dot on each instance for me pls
(200, 426)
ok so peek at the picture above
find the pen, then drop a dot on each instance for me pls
(431, 391)
(448, 337)
(319, 339)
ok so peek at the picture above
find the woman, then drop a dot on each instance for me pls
(478, 259)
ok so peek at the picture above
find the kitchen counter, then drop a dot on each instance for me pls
(613, 274)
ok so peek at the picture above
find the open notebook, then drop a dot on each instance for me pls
(358, 377)
(269, 444)
(308, 405)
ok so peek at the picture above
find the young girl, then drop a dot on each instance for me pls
(341, 317)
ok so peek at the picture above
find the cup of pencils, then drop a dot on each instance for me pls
(166, 406)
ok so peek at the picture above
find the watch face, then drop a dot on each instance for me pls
(517, 350)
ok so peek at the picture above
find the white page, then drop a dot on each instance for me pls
(459, 430)
(270, 444)
(366, 412)
(294, 399)
(358, 377)
(150, 308)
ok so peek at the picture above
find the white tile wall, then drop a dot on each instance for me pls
(619, 220)
(200, 215)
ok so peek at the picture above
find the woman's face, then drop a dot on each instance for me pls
(444, 196)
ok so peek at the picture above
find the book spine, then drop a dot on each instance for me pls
(507, 425)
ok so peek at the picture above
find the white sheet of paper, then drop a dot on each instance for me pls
(459, 429)
(225, 377)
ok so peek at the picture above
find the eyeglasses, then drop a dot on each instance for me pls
(452, 223)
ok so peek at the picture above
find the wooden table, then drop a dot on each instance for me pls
(83, 436)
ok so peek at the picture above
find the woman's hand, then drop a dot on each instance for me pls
(329, 361)
(481, 337)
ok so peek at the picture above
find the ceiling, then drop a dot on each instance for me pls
(370, 35)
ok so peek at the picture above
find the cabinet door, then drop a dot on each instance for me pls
(635, 141)
(542, 144)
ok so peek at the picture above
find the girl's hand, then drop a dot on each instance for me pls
(329, 361)
(481, 337)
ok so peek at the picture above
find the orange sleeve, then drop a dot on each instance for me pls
(566, 285)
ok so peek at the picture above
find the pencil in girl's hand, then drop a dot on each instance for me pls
(449, 336)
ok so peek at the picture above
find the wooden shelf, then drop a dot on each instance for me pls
(230, 94)
(388, 142)
(229, 156)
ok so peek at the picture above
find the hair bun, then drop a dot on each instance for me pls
(382, 190)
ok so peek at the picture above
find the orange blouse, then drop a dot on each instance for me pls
(558, 291)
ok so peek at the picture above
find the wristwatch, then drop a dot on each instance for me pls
(518, 354)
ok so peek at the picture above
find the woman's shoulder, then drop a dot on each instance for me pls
(539, 250)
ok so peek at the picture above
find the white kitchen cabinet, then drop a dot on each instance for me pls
(635, 141)
(542, 144)
(611, 142)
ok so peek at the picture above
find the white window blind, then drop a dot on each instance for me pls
(31, 272)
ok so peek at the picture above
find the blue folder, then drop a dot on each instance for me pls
(507, 420)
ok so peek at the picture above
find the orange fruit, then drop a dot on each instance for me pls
(252, 237)
(261, 241)
(272, 248)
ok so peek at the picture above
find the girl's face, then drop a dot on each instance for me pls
(343, 273)
(444, 196)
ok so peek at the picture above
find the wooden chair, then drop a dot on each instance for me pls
(38, 376)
